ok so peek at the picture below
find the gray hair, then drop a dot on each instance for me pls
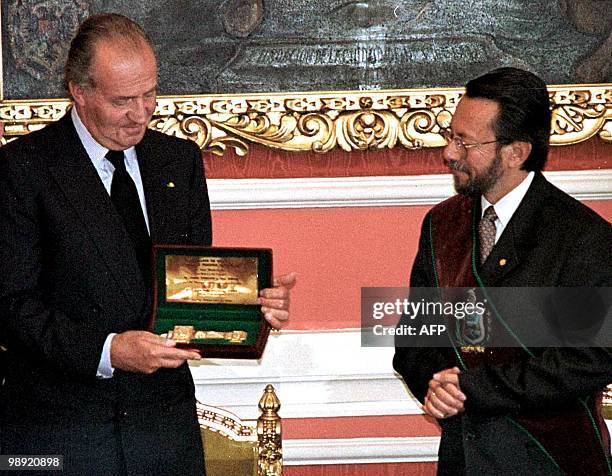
(103, 26)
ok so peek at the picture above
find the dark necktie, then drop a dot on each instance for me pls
(125, 199)
(486, 233)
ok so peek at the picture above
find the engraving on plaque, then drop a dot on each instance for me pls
(211, 279)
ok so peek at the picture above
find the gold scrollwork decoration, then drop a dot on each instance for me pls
(321, 122)
(583, 122)
(421, 128)
(368, 129)
(319, 130)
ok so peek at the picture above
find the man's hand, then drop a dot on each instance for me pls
(275, 301)
(144, 352)
(444, 397)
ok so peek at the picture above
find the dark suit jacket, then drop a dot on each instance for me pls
(68, 278)
(551, 241)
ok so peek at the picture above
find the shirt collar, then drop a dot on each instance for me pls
(508, 204)
(95, 150)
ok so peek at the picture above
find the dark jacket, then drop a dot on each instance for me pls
(68, 278)
(526, 412)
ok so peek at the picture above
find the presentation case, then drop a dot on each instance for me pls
(205, 298)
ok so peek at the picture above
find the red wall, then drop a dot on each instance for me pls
(262, 162)
(335, 251)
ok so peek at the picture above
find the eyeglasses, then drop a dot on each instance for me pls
(457, 141)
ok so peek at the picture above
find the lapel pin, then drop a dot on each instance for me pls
(170, 185)
(503, 262)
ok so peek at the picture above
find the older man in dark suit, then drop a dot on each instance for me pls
(519, 409)
(81, 201)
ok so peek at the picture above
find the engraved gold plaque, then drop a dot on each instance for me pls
(211, 279)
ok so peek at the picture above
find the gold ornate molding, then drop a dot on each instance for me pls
(320, 122)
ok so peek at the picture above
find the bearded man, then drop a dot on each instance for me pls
(520, 409)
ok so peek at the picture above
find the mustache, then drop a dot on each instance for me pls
(456, 165)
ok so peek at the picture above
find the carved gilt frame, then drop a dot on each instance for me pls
(322, 121)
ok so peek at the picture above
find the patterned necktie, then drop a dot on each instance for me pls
(486, 233)
(127, 203)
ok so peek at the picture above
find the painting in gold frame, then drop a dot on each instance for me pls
(315, 46)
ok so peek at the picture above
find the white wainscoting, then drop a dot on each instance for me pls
(241, 194)
(315, 374)
(360, 451)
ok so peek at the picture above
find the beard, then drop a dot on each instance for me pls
(477, 184)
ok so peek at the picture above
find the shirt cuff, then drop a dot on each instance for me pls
(105, 369)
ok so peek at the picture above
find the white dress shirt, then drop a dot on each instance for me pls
(507, 205)
(105, 170)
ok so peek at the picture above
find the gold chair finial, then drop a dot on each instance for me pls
(269, 434)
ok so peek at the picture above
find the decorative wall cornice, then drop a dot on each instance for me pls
(320, 122)
(390, 191)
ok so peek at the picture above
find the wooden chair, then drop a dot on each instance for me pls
(242, 448)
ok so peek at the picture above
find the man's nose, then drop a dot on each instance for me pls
(450, 153)
(138, 112)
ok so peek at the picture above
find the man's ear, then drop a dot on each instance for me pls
(77, 92)
(516, 153)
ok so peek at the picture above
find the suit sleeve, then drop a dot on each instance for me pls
(201, 223)
(29, 321)
(417, 364)
(555, 375)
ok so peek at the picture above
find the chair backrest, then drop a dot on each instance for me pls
(242, 447)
